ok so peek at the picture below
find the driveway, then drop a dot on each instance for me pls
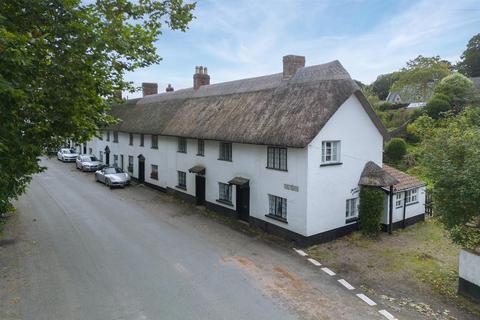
(83, 251)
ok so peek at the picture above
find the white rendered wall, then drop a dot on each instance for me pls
(249, 161)
(330, 186)
(469, 266)
(411, 210)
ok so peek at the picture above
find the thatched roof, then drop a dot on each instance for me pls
(405, 181)
(264, 110)
(374, 176)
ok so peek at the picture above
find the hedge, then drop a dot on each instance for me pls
(370, 210)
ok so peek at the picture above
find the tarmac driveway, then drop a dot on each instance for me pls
(83, 251)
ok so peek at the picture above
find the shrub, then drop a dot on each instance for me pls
(370, 210)
(395, 149)
(437, 105)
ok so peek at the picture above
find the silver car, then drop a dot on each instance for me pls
(88, 163)
(112, 177)
(67, 155)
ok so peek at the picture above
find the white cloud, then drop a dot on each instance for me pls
(248, 38)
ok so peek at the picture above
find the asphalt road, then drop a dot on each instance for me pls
(83, 251)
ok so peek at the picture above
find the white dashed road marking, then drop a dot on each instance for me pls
(301, 252)
(328, 271)
(369, 301)
(387, 315)
(346, 284)
(314, 262)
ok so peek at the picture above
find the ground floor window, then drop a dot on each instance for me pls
(121, 161)
(182, 180)
(351, 212)
(130, 164)
(399, 200)
(101, 156)
(115, 160)
(224, 192)
(277, 207)
(154, 173)
(411, 196)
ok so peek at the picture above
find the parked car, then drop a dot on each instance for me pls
(88, 163)
(67, 155)
(112, 177)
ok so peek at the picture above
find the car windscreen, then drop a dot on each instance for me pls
(110, 171)
(92, 158)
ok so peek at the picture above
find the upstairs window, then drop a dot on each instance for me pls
(182, 180)
(225, 151)
(115, 136)
(182, 145)
(108, 135)
(330, 152)
(277, 158)
(115, 160)
(225, 193)
(351, 211)
(142, 139)
(277, 207)
(154, 141)
(130, 139)
(154, 172)
(200, 147)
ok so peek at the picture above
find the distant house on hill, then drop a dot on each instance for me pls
(394, 97)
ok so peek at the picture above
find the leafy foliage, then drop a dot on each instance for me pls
(470, 59)
(417, 79)
(437, 106)
(395, 149)
(60, 63)
(381, 86)
(370, 210)
(451, 160)
(458, 89)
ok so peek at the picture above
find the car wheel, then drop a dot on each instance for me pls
(109, 184)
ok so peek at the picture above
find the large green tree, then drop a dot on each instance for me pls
(451, 161)
(416, 81)
(60, 63)
(469, 64)
(381, 86)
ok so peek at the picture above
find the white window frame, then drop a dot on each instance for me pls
(200, 147)
(351, 208)
(399, 199)
(224, 192)
(182, 180)
(154, 138)
(277, 158)
(331, 151)
(412, 196)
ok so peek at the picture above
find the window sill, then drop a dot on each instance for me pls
(200, 155)
(154, 178)
(352, 219)
(412, 203)
(284, 170)
(141, 145)
(228, 203)
(331, 164)
(271, 216)
(154, 148)
(224, 160)
(181, 187)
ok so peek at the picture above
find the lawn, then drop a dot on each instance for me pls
(414, 270)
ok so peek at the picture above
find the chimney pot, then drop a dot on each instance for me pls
(169, 88)
(149, 88)
(291, 64)
(201, 77)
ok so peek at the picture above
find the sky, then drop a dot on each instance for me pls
(239, 39)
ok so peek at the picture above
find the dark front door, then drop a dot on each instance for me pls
(200, 189)
(107, 158)
(243, 202)
(141, 169)
(84, 148)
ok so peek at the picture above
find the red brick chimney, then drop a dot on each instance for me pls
(169, 88)
(291, 64)
(201, 77)
(149, 88)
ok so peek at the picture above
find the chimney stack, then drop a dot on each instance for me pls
(169, 88)
(149, 88)
(201, 77)
(291, 64)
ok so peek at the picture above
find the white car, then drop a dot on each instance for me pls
(88, 163)
(112, 177)
(67, 155)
